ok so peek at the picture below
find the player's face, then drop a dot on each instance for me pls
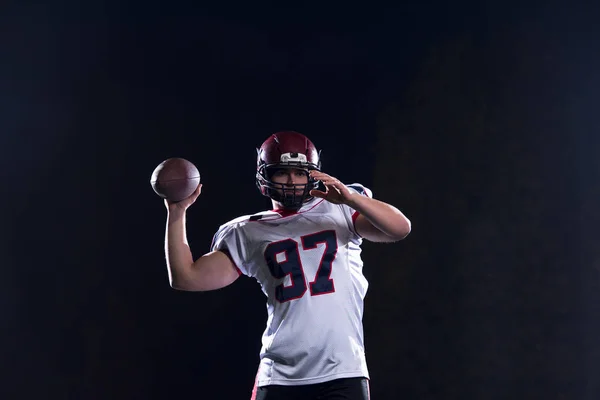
(290, 177)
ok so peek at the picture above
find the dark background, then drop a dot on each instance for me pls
(478, 120)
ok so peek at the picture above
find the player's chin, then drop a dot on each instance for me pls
(297, 194)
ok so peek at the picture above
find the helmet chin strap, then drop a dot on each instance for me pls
(292, 201)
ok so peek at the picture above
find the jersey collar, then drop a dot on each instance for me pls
(305, 207)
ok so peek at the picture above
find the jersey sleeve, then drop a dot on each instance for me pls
(230, 240)
(350, 213)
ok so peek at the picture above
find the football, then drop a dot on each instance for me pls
(175, 179)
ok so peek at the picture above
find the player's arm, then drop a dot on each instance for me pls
(378, 221)
(212, 271)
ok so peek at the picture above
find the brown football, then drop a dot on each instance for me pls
(175, 179)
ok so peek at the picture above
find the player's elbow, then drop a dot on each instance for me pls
(189, 288)
(185, 285)
(401, 230)
(204, 283)
(175, 284)
(210, 272)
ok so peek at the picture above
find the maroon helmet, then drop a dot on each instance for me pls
(286, 150)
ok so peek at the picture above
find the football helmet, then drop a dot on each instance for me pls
(287, 149)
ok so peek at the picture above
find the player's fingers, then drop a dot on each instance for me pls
(319, 175)
(332, 183)
(318, 193)
(196, 193)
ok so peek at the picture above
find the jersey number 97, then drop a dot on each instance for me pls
(291, 265)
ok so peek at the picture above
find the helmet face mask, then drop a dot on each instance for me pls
(287, 150)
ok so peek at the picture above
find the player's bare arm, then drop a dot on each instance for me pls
(377, 221)
(212, 271)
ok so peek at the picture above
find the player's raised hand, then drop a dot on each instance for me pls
(335, 191)
(185, 203)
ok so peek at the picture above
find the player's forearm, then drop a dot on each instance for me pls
(177, 250)
(385, 217)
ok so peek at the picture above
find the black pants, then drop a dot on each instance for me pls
(338, 389)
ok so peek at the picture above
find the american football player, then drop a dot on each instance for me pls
(305, 254)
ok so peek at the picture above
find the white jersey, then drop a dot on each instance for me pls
(309, 266)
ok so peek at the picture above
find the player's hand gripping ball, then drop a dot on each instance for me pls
(175, 179)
